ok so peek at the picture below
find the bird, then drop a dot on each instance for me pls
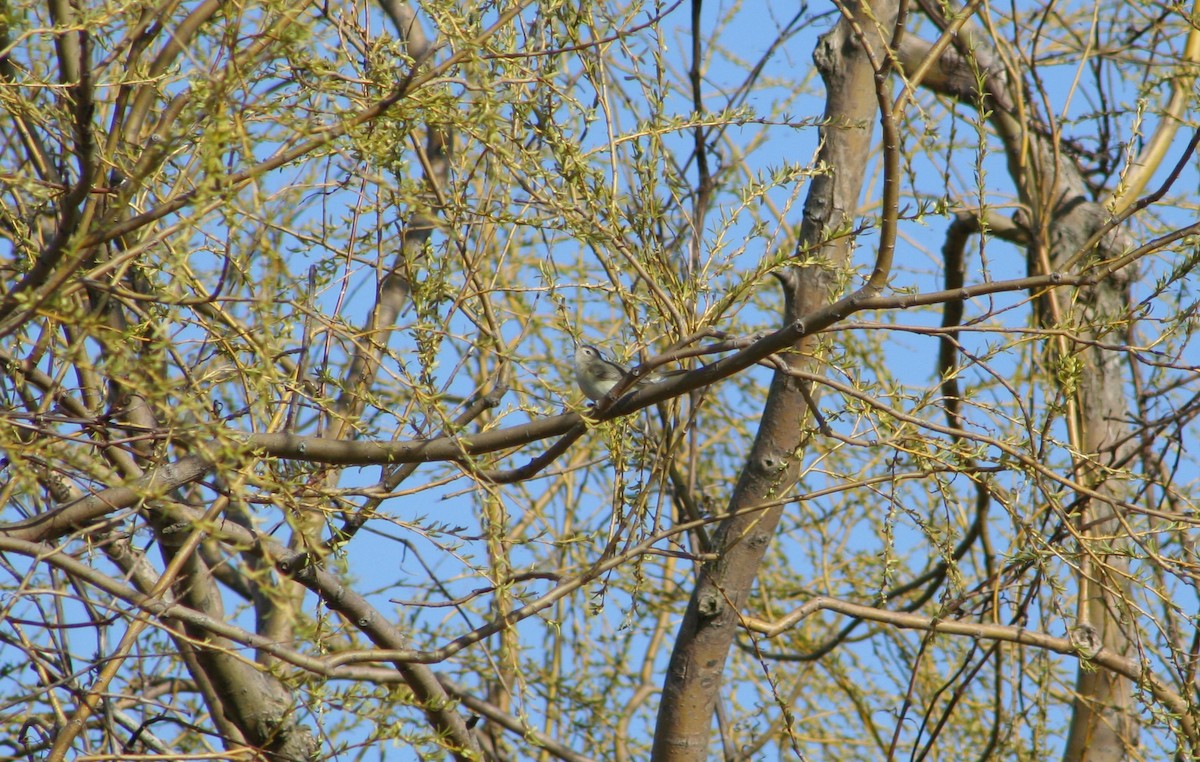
(597, 376)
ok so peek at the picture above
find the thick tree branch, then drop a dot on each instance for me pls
(694, 675)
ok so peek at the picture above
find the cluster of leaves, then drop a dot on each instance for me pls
(290, 300)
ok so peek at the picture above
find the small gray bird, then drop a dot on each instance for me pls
(597, 376)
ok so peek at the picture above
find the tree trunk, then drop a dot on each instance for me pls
(692, 685)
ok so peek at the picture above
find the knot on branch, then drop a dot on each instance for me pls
(1086, 640)
(708, 604)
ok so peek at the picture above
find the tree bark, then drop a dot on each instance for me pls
(692, 684)
(1060, 218)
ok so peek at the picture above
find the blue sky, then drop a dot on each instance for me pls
(395, 558)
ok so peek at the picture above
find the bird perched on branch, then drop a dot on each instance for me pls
(597, 376)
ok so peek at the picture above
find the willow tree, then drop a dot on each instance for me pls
(295, 464)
